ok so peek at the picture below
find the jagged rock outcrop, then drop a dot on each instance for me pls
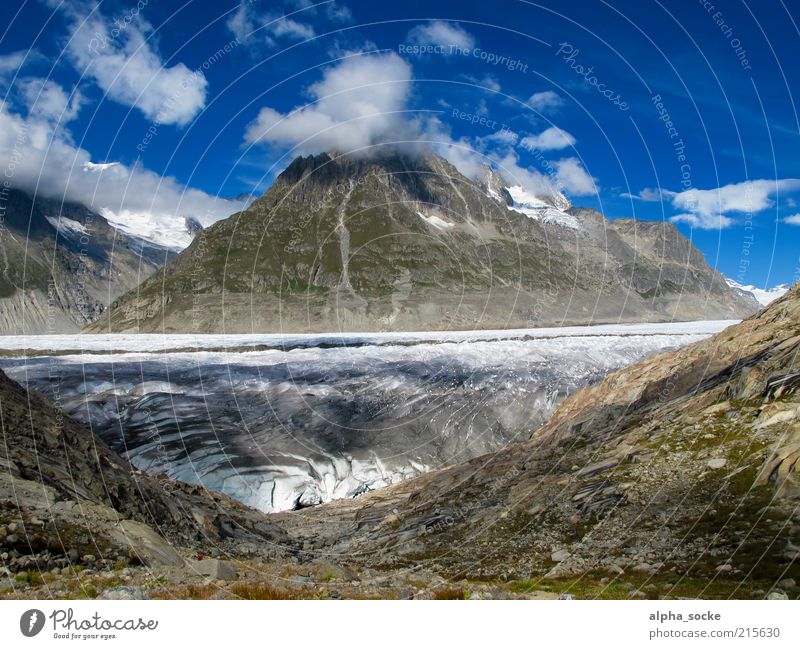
(62, 263)
(400, 243)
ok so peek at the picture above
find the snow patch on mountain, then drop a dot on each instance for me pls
(764, 296)
(168, 231)
(67, 227)
(435, 221)
(540, 209)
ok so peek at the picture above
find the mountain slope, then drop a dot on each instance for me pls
(401, 243)
(675, 476)
(65, 494)
(61, 264)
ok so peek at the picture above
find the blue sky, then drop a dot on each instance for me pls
(672, 110)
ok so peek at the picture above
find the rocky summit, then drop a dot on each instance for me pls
(406, 242)
(674, 477)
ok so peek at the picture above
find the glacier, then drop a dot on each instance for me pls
(282, 422)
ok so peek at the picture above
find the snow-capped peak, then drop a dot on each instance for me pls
(764, 296)
(550, 207)
(541, 208)
(165, 230)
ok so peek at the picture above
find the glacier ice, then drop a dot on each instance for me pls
(284, 422)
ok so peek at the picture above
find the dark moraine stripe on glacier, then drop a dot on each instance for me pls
(284, 429)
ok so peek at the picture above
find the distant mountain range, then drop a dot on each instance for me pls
(399, 242)
(764, 296)
(61, 264)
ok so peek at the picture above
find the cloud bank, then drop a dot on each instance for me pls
(362, 102)
(713, 209)
(358, 103)
(37, 158)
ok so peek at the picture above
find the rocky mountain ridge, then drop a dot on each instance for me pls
(394, 242)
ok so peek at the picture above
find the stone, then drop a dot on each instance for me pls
(716, 463)
(123, 592)
(145, 544)
(643, 567)
(717, 408)
(213, 568)
(777, 594)
(788, 583)
(566, 596)
(542, 594)
(614, 568)
(725, 567)
(560, 555)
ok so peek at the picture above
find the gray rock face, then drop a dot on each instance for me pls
(397, 243)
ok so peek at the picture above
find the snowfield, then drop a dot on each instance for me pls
(106, 343)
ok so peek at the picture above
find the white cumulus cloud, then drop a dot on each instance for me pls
(545, 101)
(358, 102)
(250, 25)
(573, 178)
(127, 67)
(712, 208)
(794, 219)
(550, 139)
(443, 34)
(47, 100)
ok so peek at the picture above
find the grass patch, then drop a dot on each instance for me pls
(264, 591)
(451, 593)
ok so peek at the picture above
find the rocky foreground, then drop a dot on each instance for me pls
(675, 477)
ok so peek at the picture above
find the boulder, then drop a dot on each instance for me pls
(146, 544)
(123, 592)
(214, 568)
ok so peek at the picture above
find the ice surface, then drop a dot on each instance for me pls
(286, 421)
(232, 342)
